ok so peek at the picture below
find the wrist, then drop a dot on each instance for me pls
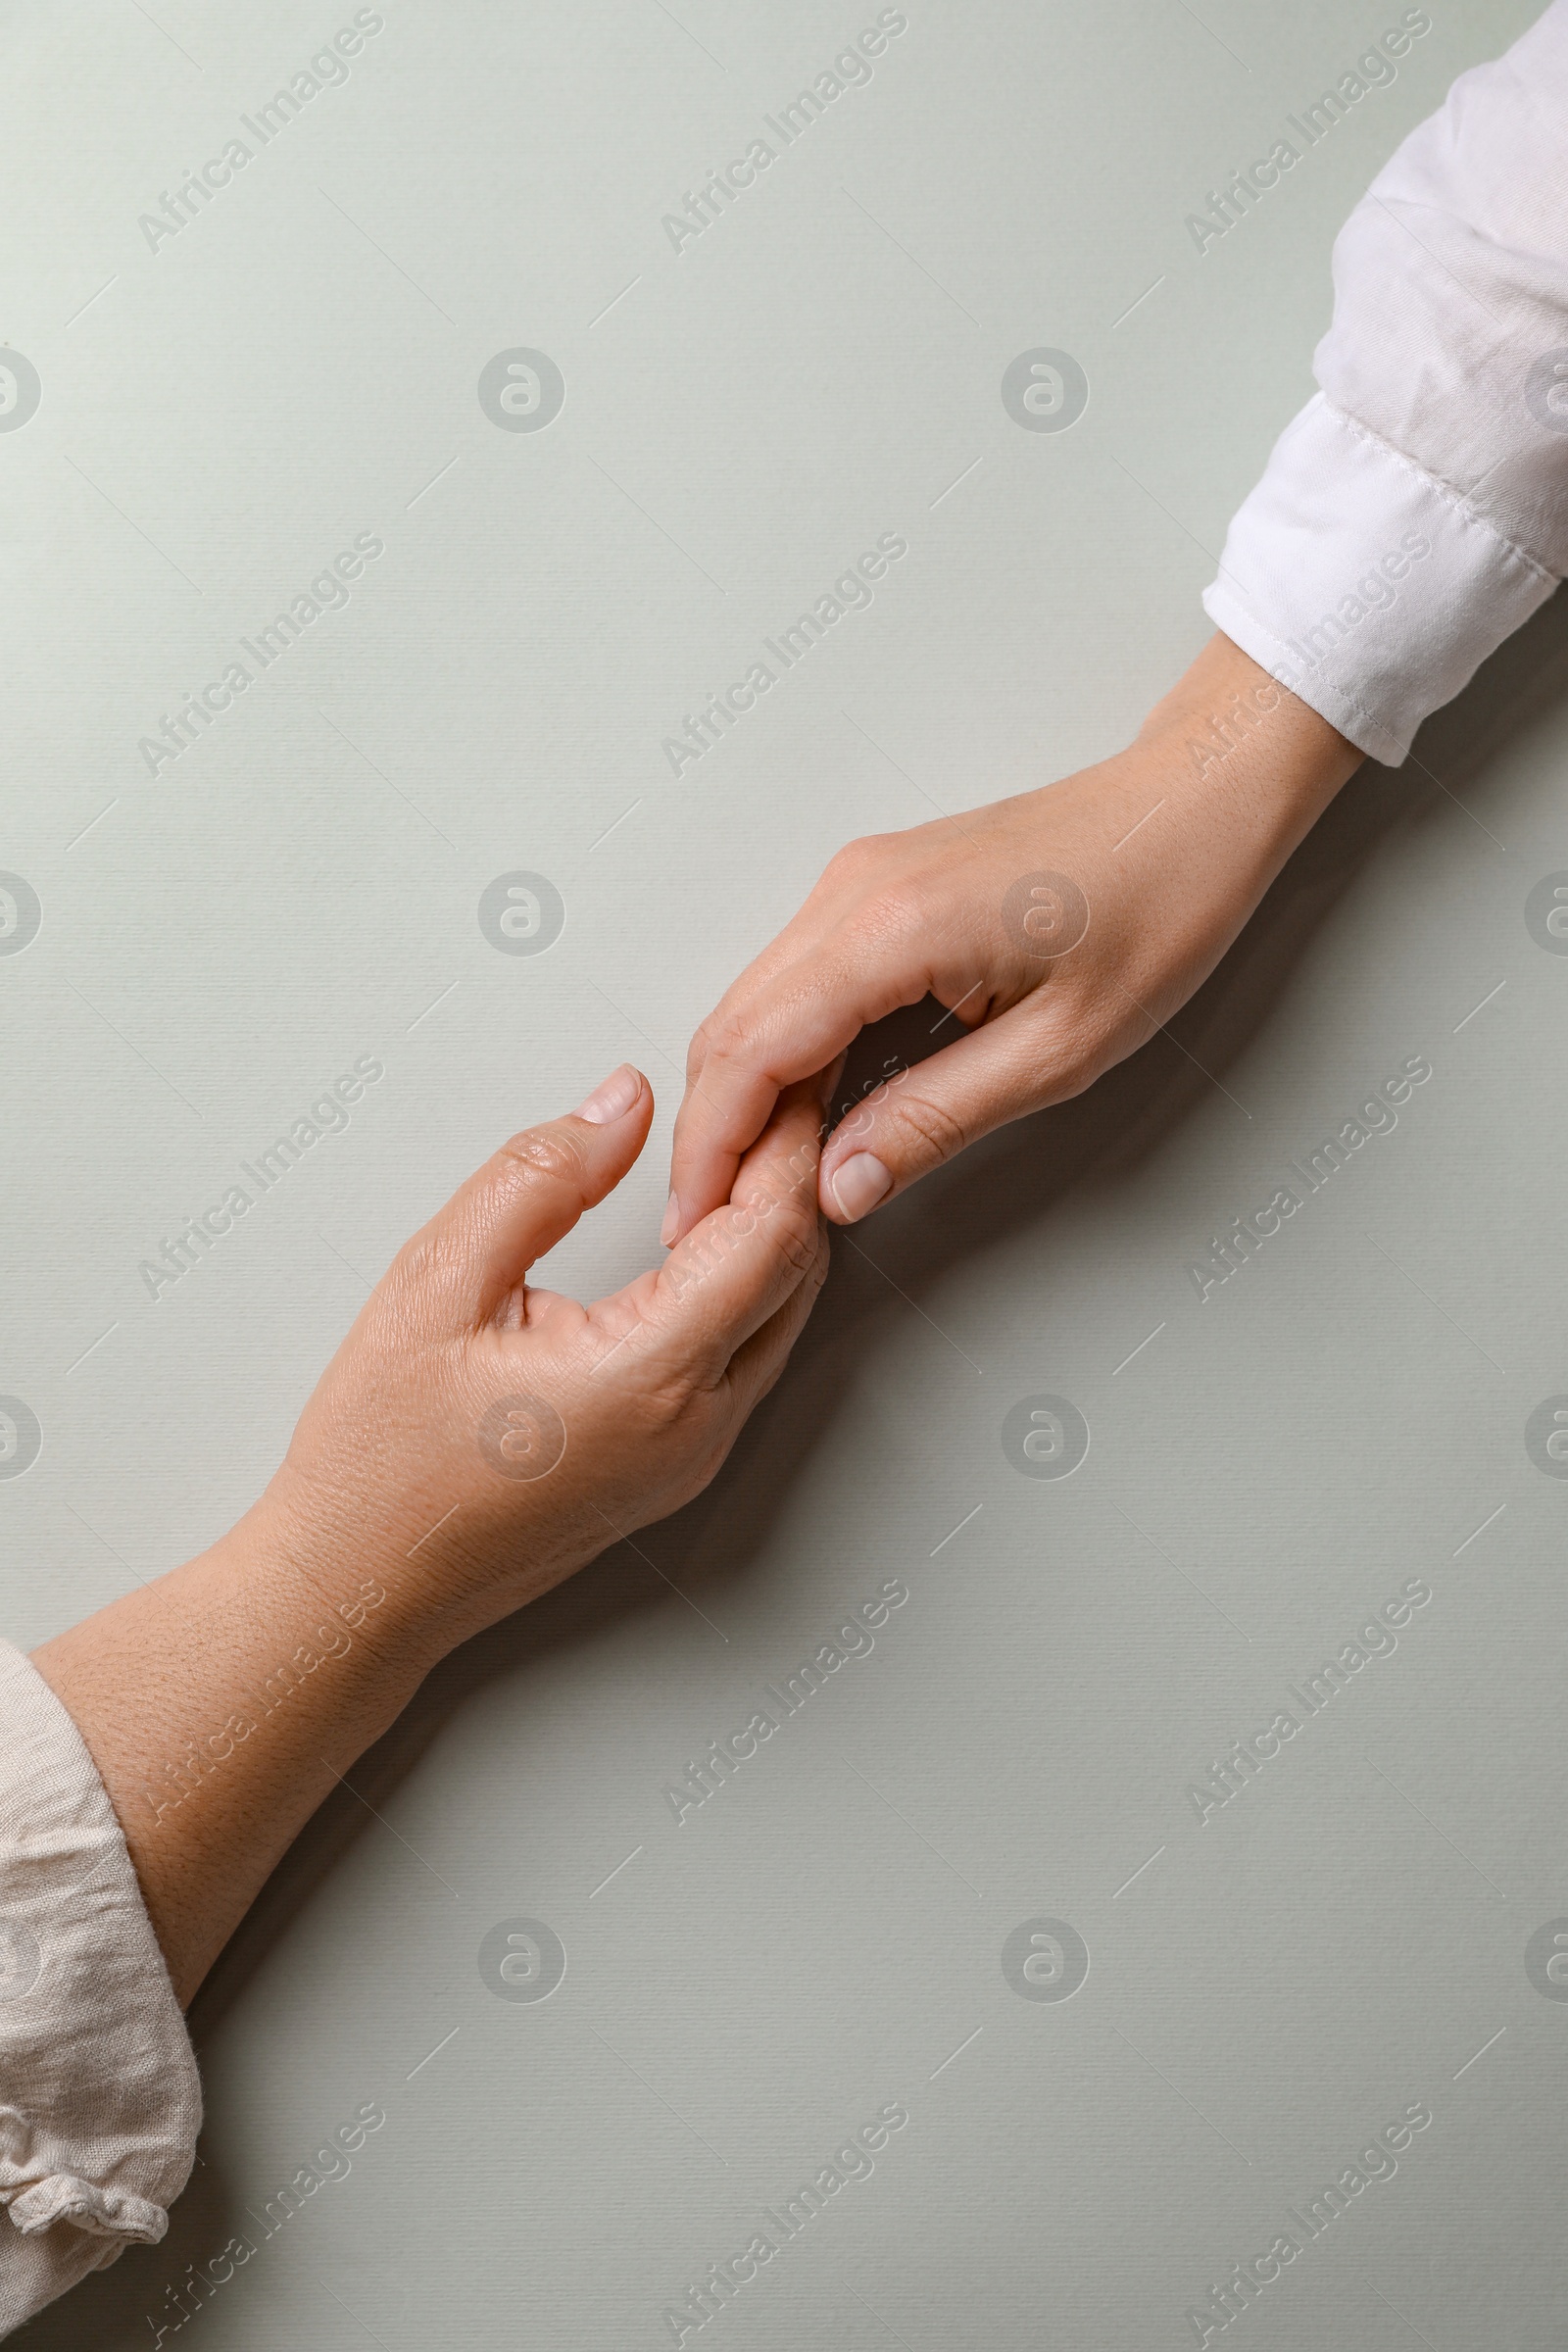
(409, 1582)
(1228, 727)
(334, 1581)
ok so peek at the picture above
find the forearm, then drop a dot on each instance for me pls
(1233, 741)
(1202, 705)
(220, 1704)
(474, 1440)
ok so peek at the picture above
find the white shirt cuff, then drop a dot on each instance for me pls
(1369, 589)
(100, 2102)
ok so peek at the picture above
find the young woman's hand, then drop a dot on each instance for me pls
(1060, 929)
(474, 1440)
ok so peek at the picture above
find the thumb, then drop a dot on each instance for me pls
(527, 1196)
(928, 1114)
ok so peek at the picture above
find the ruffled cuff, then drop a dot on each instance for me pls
(1370, 590)
(100, 2212)
(100, 2103)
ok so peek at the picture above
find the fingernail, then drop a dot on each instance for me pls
(860, 1183)
(613, 1098)
(671, 1225)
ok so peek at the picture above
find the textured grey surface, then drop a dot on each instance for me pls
(1269, 1986)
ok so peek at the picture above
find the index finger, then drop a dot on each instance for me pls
(763, 1039)
(739, 1264)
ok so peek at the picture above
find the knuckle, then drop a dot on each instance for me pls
(1080, 1042)
(414, 1264)
(544, 1155)
(664, 1405)
(792, 1231)
(786, 1221)
(723, 1036)
(425, 1262)
(1074, 1074)
(939, 1133)
(851, 862)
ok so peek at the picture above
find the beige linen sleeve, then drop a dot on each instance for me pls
(100, 2103)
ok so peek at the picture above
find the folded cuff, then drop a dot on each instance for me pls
(100, 2103)
(101, 2213)
(1369, 589)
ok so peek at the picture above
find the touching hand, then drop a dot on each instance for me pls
(510, 1432)
(474, 1440)
(1060, 929)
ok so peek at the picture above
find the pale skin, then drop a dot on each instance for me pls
(1170, 852)
(417, 1506)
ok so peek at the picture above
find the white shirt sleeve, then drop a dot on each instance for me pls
(100, 2103)
(1416, 512)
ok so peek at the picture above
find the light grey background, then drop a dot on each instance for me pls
(821, 365)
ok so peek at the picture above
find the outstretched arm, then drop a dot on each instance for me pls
(1412, 515)
(474, 1440)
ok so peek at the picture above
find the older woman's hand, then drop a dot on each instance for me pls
(474, 1440)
